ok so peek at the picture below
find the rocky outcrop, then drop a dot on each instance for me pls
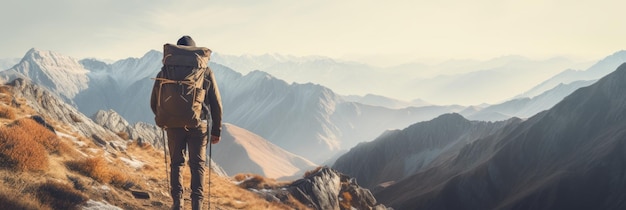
(320, 189)
(51, 107)
(327, 188)
(142, 132)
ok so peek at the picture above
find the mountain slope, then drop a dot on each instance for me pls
(400, 153)
(241, 151)
(569, 157)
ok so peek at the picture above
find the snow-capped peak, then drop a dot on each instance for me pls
(58, 72)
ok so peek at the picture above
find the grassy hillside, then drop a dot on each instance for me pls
(60, 169)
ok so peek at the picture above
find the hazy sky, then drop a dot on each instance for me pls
(382, 31)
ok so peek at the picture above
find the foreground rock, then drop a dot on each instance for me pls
(324, 188)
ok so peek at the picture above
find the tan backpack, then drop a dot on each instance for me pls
(181, 92)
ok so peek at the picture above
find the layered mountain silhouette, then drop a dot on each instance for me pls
(400, 153)
(548, 93)
(569, 157)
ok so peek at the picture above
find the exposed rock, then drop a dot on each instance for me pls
(329, 189)
(110, 120)
(51, 107)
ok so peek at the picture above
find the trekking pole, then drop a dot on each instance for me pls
(167, 174)
(210, 169)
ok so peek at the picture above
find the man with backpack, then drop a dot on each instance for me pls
(184, 95)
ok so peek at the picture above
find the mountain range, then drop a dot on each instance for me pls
(308, 119)
(450, 82)
(548, 93)
(568, 157)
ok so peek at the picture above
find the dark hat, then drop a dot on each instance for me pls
(186, 40)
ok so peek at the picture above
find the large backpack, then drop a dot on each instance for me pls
(181, 93)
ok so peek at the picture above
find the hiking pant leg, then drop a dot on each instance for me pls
(197, 143)
(177, 145)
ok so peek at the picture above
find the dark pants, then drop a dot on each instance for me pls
(194, 141)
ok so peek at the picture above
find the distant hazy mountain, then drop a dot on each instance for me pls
(569, 157)
(526, 107)
(596, 71)
(549, 92)
(242, 151)
(6, 63)
(460, 81)
(308, 119)
(377, 100)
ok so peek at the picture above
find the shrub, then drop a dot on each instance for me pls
(95, 168)
(346, 200)
(19, 151)
(121, 180)
(7, 112)
(256, 181)
(98, 169)
(60, 196)
(42, 135)
(311, 172)
(14, 200)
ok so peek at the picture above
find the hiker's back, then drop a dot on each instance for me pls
(181, 93)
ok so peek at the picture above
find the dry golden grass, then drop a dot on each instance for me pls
(20, 151)
(5, 95)
(226, 195)
(95, 168)
(43, 136)
(7, 112)
(311, 172)
(60, 196)
(13, 199)
(100, 170)
(346, 200)
(256, 181)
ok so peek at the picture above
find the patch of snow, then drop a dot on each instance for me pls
(99, 205)
(103, 188)
(94, 150)
(132, 163)
(70, 137)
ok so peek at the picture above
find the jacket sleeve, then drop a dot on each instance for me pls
(154, 96)
(214, 101)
